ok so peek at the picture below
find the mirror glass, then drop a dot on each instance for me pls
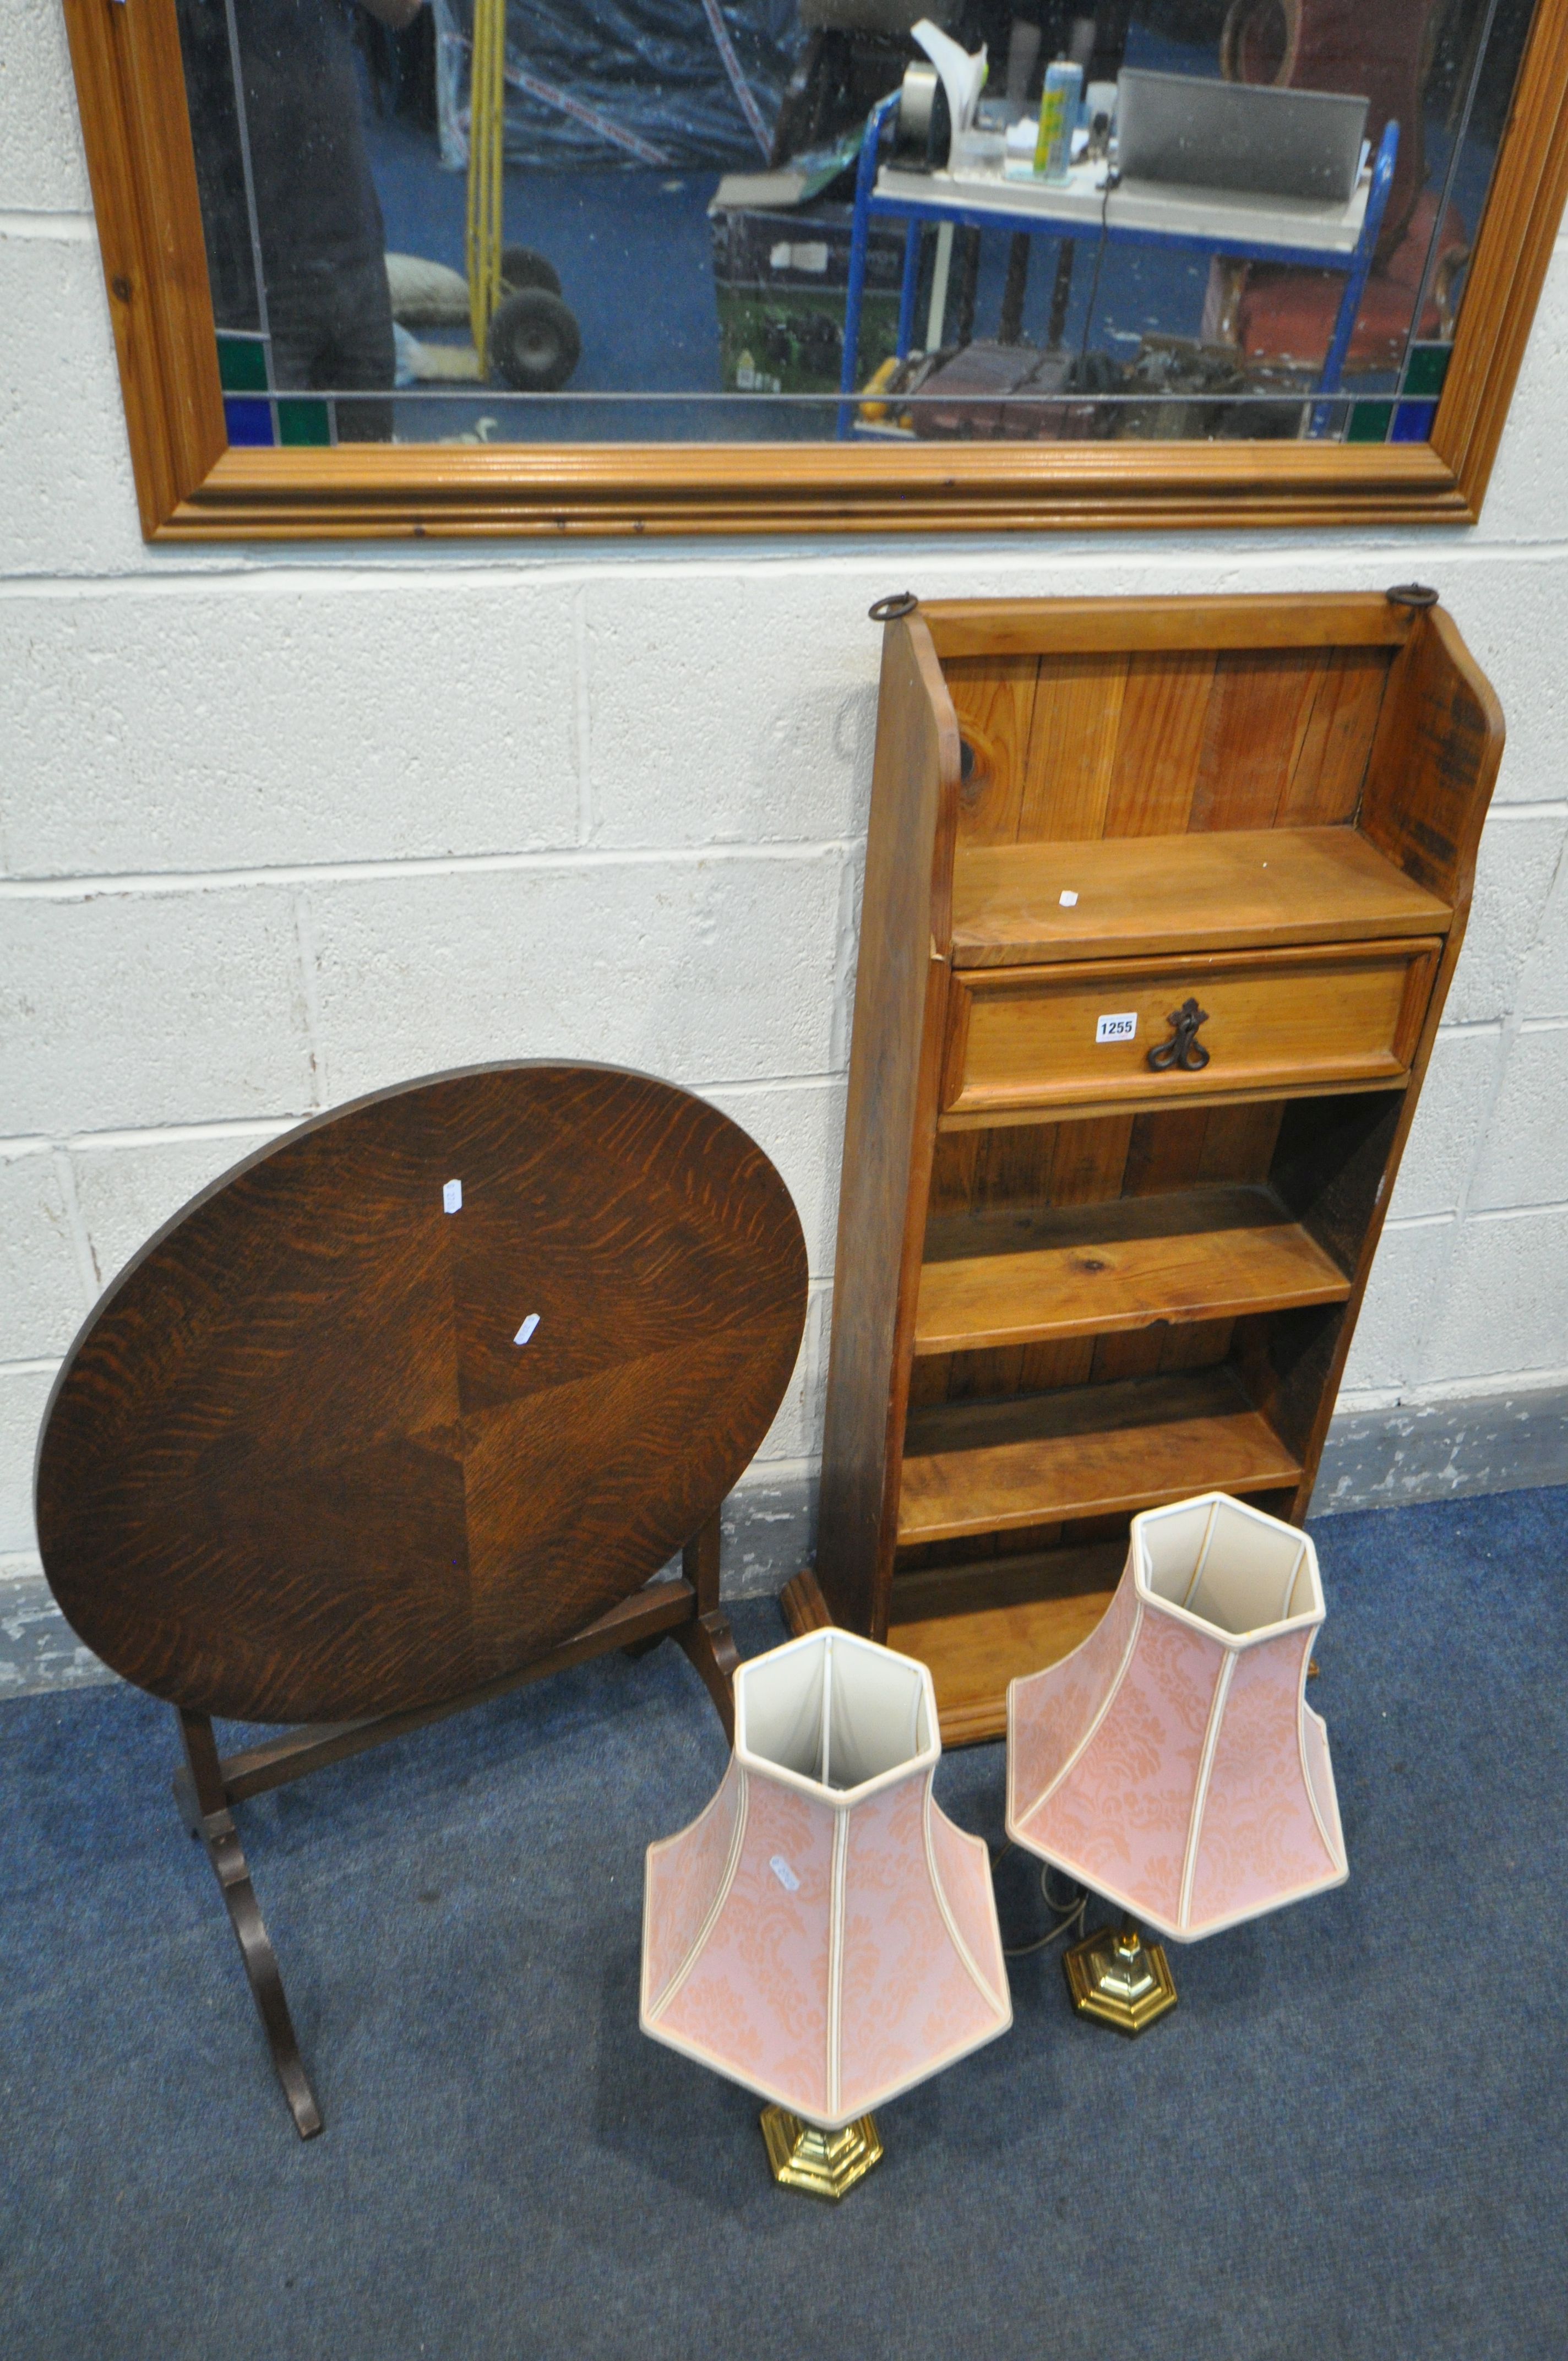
(603, 221)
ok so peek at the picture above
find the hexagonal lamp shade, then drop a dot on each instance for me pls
(823, 1933)
(1172, 1763)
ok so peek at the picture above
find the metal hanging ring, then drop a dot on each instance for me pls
(886, 610)
(1410, 594)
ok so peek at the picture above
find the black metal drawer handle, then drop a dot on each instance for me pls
(1183, 1049)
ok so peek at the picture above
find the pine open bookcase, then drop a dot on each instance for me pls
(1163, 898)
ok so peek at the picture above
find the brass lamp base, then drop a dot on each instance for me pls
(1119, 1979)
(827, 2164)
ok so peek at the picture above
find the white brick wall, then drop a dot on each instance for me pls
(40, 156)
(1461, 1083)
(66, 492)
(280, 781)
(1524, 1158)
(43, 1281)
(128, 1187)
(705, 967)
(1502, 1305)
(23, 1394)
(762, 753)
(279, 825)
(122, 1009)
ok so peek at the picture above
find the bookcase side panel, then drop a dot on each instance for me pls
(914, 781)
(1428, 785)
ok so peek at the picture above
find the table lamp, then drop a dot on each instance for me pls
(1172, 1763)
(822, 1933)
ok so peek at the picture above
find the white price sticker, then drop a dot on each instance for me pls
(1117, 1028)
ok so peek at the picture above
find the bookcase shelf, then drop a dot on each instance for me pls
(1136, 896)
(1030, 1275)
(1086, 1262)
(979, 1625)
(1087, 1451)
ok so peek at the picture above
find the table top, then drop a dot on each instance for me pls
(418, 1390)
(1218, 217)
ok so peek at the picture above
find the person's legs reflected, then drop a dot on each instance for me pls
(332, 332)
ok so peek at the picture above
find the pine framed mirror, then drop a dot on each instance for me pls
(561, 267)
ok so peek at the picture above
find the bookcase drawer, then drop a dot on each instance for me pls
(1053, 1037)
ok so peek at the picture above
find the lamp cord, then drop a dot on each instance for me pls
(1112, 178)
(1069, 1915)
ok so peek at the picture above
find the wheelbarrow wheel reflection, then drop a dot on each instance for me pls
(533, 344)
(522, 266)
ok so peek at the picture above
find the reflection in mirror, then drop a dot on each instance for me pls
(906, 221)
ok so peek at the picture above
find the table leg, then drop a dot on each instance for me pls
(708, 1639)
(805, 1608)
(199, 1792)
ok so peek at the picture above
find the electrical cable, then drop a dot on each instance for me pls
(1071, 1921)
(1112, 179)
(1069, 1916)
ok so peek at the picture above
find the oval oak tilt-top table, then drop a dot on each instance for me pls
(410, 1406)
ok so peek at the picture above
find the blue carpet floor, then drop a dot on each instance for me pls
(1347, 2141)
(632, 249)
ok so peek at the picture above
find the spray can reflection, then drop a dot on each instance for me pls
(1058, 116)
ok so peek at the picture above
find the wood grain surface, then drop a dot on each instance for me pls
(990, 628)
(1097, 718)
(890, 1121)
(979, 1627)
(1231, 889)
(1019, 1278)
(980, 1467)
(1026, 1036)
(298, 1465)
(1134, 1284)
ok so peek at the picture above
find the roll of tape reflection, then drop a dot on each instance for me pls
(923, 128)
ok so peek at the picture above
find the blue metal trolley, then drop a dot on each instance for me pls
(1256, 229)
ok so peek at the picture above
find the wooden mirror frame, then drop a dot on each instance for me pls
(192, 486)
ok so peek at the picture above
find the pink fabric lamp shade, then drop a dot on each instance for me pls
(1172, 1763)
(823, 1933)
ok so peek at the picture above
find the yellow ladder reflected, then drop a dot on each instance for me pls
(487, 122)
